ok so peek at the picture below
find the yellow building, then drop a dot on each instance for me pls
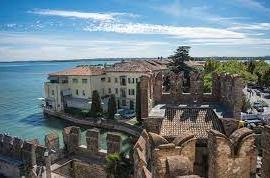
(73, 87)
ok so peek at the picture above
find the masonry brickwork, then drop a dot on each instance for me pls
(226, 89)
(20, 157)
(154, 156)
(28, 158)
(233, 156)
(266, 152)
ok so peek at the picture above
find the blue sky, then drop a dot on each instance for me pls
(68, 29)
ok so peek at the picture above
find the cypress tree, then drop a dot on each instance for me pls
(138, 103)
(112, 107)
(96, 108)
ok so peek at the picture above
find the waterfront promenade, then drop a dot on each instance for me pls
(113, 125)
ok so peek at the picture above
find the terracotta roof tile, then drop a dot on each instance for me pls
(197, 121)
(79, 71)
(137, 66)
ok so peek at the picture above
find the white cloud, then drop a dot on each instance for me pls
(180, 32)
(81, 15)
(253, 26)
(24, 46)
(231, 42)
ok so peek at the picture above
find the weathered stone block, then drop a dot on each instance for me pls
(232, 157)
(114, 142)
(93, 140)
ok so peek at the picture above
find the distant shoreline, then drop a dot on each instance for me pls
(138, 58)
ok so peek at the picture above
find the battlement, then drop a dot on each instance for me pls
(20, 156)
(154, 156)
(226, 89)
(72, 142)
(233, 156)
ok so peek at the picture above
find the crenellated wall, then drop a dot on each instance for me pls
(266, 151)
(19, 157)
(72, 137)
(233, 156)
(226, 89)
(155, 157)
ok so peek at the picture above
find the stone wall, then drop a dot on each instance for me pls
(20, 157)
(155, 157)
(233, 156)
(266, 152)
(72, 137)
(226, 89)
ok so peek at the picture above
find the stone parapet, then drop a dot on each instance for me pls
(71, 138)
(233, 156)
(154, 156)
(114, 142)
(93, 140)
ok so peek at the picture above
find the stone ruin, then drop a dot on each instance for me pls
(29, 159)
(233, 156)
(226, 90)
(221, 149)
(21, 158)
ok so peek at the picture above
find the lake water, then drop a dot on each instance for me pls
(21, 86)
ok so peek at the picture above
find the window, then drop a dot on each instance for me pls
(103, 79)
(124, 103)
(116, 91)
(109, 79)
(83, 93)
(115, 80)
(133, 80)
(132, 92)
(84, 80)
(123, 81)
(128, 80)
(109, 90)
(136, 80)
(75, 80)
(53, 92)
(77, 92)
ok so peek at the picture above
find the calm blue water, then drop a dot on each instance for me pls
(21, 84)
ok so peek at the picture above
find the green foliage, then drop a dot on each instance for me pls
(179, 57)
(207, 80)
(112, 109)
(231, 67)
(117, 165)
(138, 103)
(236, 67)
(96, 108)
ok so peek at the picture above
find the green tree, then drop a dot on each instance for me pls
(138, 103)
(112, 109)
(266, 78)
(251, 66)
(118, 166)
(96, 108)
(178, 59)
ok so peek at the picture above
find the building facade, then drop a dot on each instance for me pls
(74, 87)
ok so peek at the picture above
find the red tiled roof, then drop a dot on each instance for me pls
(191, 120)
(138, 66)
(83, 70)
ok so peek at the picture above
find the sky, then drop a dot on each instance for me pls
(68, 29)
